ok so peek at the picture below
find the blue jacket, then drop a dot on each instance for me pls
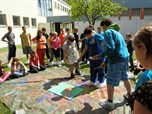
(114, 46)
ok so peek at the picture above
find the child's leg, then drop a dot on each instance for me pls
(76, 65)
(101, 73)
(71, 68)
(33, 69)
(93, 74)
(4, 77)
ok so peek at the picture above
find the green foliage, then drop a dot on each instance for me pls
(94, 9)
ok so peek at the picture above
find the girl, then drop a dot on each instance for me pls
(18, 68)
(41, 46)
(3, 75)
(34, 64)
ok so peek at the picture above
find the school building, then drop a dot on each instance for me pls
(29, 13)
(53, 14)
(138, 15)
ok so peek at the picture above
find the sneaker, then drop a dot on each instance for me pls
(108, 105)
(51, 64)
(101, 85)
(9, 65)
(131, 76)
(77, 72)
(27, 62)
(126, 96)
(72, 75)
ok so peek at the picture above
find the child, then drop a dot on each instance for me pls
(18, 68)
(3, 75)
(34, 64)
(71, 55)
(94, 46)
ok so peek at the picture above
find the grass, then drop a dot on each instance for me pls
(4, 109)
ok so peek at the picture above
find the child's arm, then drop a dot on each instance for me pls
(83, 52)
(24, 67)
(13, 68)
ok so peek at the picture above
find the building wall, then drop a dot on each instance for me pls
(21, 8)
(126, 25)
(60, 8)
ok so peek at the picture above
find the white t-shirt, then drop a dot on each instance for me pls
(72, 52)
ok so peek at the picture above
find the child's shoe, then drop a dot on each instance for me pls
(72, 75)
(77, 72)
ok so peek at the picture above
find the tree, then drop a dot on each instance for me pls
(94, 9)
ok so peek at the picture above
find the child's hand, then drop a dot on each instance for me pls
(95, 57)
(103, 65)
(79, 59)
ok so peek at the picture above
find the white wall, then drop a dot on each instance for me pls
(59, 12)
(126, 25)
(22, 8)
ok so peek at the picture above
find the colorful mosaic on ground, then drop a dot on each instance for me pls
(31, 94)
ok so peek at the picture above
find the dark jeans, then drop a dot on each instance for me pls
(131, 62)
(35, 69)
(47, 52)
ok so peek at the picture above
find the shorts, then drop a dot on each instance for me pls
(117, 72)
(27, 49)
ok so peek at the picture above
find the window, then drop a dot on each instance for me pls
(2, 19)
(16, 21)
(148, 11)
(55, 5)
(33, 20)
(26, 21)
(125, 13)
(136, 12)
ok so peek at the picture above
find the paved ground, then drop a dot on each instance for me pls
(30, 94)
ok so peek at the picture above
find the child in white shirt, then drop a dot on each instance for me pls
(71, 55)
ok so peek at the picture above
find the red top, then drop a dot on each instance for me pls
(41, 43)
(34, 60)
(61, 36)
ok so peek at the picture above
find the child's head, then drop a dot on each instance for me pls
(128, 36)
(33, 53)
(70, 39)
(55, 34)
(105, 23)
(15, 59)
(67, 30)
(88, 32)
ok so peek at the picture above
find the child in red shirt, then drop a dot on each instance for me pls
(34, 64)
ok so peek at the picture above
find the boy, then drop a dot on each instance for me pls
(71, 55)
(94, 45)
(117, 64)
(26, 43)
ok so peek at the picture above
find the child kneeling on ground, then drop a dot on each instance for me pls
(34, 64)
(71, 55)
